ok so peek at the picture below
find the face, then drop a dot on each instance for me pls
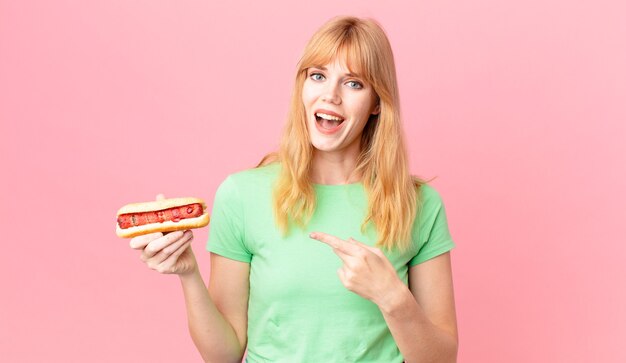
(338, 105)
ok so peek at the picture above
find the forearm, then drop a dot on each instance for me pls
(418, 339)
(213, 336)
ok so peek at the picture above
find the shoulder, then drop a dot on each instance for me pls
(250, 180)
(430, 204)
(428, 196)
(254, 174)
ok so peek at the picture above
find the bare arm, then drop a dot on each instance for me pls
(217, 320)
(217, 317)
(422, 318)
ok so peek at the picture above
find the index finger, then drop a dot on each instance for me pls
(335, 242)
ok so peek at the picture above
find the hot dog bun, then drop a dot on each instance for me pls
(149, 217)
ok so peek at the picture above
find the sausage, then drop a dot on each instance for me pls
(171, 214)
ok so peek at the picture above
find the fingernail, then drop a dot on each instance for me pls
(312, 235)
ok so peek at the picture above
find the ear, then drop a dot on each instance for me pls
(376, 109)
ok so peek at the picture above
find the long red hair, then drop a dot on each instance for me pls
(393, 194)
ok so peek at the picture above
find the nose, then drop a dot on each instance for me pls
(331, 95)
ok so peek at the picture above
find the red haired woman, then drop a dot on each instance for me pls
(329, 250)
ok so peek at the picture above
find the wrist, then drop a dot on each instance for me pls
(394, 299)
(192, 274)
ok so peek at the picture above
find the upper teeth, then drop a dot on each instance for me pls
(328, 117)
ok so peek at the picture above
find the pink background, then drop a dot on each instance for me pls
(518, 108)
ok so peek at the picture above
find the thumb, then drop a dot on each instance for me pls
(160, 196)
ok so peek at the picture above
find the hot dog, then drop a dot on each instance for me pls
(166, 215)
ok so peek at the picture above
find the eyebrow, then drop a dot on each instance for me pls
(345, 74)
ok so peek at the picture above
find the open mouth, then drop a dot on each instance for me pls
(328, 122)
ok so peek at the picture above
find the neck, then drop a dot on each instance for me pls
(333, 168)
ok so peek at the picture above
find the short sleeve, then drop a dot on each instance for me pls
(226, 232)
(433, 233)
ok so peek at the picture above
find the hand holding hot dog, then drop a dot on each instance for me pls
(168, 253)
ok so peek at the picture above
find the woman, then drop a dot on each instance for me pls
(328, 251)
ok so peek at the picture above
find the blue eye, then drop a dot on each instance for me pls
(355, 84)
(316, 76)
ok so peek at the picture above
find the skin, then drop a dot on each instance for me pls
(420, 316)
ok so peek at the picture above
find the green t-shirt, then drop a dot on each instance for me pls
(298, 310)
